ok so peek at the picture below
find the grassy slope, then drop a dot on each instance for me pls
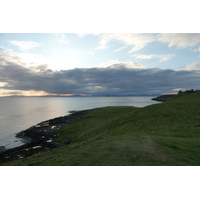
(160, 134)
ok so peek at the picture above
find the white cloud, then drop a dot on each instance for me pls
(117, 64)
(62, 38)
(181, 40)
(5, 93)
(139, 40)
(161, 58)
(193, 66)
(121, 48)
(150, 56)
(178, 89)
(25, 45)
(2, 84)
(32, 61)
(133, 65)
(84, 34)
(28, 60)
(104, 39)
(197, 49)
(91, 53)
(81, 34)
(136, 40)
(108, 63)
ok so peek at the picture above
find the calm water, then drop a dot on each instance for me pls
(20, 113)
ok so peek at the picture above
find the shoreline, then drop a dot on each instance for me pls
(39, 138)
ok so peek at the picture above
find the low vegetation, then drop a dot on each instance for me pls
(161, 134)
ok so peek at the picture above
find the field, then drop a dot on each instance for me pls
(165, 134)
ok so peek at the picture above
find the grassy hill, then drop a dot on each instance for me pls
(161, 134)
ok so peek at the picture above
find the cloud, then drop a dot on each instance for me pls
(193, 66)
(178, 89)
(22, 93)
(180, 40)
(162, 58)
(117, 64)
(91, 53)
(139, 40)
(110, 78)
(121, 48)
(81, 35)
(62, 38)
(197, 49)
(2, 84)
(31, 60)
(120, 78)
(28, 60)
(109, 63)
(136, 40)
(8, 56)
(25, 45)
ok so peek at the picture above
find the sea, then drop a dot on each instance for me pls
(20, 113)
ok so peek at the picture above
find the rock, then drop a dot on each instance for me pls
(51, 145)
(66, 142)
(73, 111)
(164, 97)
(2, 148)
(36, 147)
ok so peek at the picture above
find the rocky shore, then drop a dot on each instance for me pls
(39, 138)
(164, 97)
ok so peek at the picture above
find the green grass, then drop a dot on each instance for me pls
(160, 134)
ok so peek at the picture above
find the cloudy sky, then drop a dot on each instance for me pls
(98, 63)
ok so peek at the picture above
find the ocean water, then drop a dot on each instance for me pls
(20, 113)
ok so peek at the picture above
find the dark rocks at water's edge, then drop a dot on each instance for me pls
(39, 138)
(2, 148)
(164, 97)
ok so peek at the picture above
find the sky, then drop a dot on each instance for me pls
(37, 64)
(106, 48)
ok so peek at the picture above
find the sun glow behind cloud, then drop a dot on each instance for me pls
(30, 60)
(62, 63)
(22, 93)
(26, 93)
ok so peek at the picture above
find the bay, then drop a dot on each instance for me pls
(20, 113)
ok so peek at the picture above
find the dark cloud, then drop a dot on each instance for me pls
(115, 79)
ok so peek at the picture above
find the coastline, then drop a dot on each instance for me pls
(21, 113)
(39, 138)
